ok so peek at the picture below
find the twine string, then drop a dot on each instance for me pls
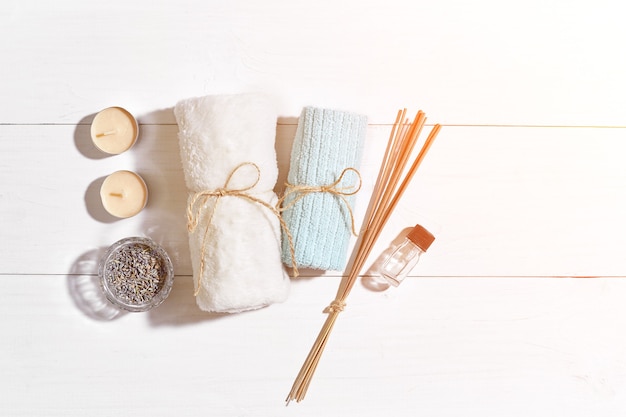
(335, 307)
(334, 188)
(194, 211)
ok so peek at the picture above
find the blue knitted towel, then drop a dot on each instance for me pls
(326, 142)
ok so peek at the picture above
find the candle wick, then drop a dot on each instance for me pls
(107, 133)
(116, 195)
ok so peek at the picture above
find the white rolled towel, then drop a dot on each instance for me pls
(229, 161)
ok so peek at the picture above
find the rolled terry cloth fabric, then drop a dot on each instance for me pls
(229, 162)
(326, 142)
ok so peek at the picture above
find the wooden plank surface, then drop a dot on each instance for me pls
(500, 201)
(524, 189)
(555, 63)
(487, 346)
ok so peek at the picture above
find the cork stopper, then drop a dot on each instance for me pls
(421, 237)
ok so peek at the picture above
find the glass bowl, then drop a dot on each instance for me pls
(136, 274)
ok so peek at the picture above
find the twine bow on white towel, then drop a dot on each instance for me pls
(200, 198)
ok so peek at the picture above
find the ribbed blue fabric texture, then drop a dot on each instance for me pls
(326, 142)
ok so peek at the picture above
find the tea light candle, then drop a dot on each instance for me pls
(114, 130)
(124, 194)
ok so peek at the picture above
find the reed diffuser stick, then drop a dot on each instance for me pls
(385, 197)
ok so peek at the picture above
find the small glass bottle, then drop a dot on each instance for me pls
(404, 258)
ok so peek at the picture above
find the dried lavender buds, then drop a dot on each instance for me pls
(136, 274)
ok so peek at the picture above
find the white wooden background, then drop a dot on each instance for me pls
(519, 307)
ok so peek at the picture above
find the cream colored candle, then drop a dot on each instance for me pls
(124, 194)
(114, 130)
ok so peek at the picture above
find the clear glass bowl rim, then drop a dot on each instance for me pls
(168, 280)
